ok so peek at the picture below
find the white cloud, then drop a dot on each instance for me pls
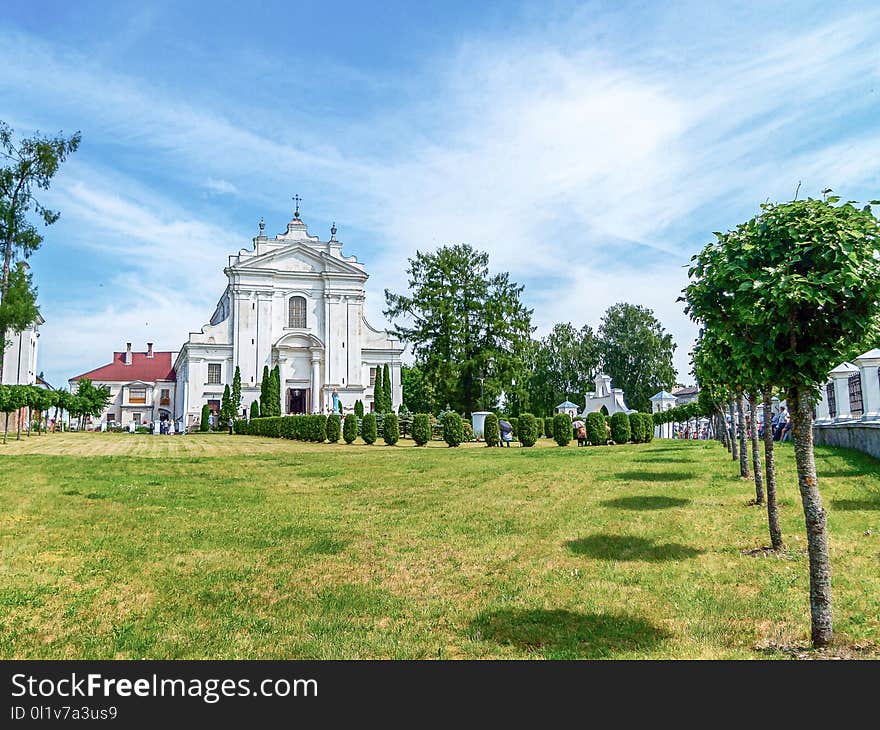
(220, 187)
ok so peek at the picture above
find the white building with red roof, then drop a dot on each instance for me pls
(141, 386)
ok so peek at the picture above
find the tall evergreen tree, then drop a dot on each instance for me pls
(235, 394)
(265, 384)
(562, 367)
(387, 400)
(276, 391)
(463, 325)
(225, 406)
(418, 395)
(378, 392)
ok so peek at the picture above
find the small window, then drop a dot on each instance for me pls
(214, 406)
(213, 373)
(372, 376)
(296, 315)
(164, 397)
(137, 395)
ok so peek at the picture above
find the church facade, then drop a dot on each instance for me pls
(297, 302)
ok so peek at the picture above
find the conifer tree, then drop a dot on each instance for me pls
(378, 392)
(235, 395)
(387, 402)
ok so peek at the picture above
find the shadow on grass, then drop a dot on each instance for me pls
(856, 505)
(626, 547)
(646, 502)
(664, 460)
(562, 634)
(654, 476)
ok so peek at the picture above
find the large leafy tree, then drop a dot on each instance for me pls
(89, 400)
(794, 291)
(636, 353)
(418, 394)
(463, 324)
(563, 367)
(26, 166)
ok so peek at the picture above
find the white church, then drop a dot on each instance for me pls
(298, 302)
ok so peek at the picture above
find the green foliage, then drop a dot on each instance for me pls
(620, 431)
(90, 400)
(240, 426)
(387, 402)
(390, 429)
(418, 393)
(528, 429)
(350, 428)
(275, 391)
(562, 428)
(235, 394)
(255, 409)
(225, 408)
(597, 434)
(18, 309)
(205, 422)
(491, 432)
(540, 427)
(636, 353)
(453, 428)
(514, 421)
(265, 426)
(563, 364)
(334, 427)
(648, 428)
(378, 392)
(265, 389)
(359, 408)
(638, 427)
(369, 429)
(548, 427)
(679, 414)
(421, 429)
(463, 324)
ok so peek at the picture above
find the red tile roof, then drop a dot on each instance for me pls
(148, 369)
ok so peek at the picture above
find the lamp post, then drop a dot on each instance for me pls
(482, 404)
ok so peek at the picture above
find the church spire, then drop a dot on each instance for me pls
(297, 200)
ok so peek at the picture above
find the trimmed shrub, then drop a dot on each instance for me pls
(359, 408)
(270, 427)
(548, 427)
(515, 423)
(391, 429)
(368, 429)
(453, 429)
(596, 433)
(255, 409)
(528, 429)
(421, 428)
(467, 430)
(540, 427)
(636, 428)
(562, 428)
(648, 420)
(350, 428)
(491, 433)
(620, 431)
(240, 426)
(205, 423)
(334, 427)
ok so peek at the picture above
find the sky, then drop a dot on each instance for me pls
(590, 148)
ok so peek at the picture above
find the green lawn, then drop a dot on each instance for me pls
(210, 546)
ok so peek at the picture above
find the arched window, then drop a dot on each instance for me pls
(296, 312)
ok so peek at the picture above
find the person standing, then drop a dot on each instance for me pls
(231, 425)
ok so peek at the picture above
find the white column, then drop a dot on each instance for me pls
(823, 415)
(317, 398)
(840, 377)
(869, 364)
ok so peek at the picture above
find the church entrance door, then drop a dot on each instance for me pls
(297, 400)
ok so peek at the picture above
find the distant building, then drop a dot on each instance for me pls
(687, 394)
(568, 407)
(606, 399)
(141, 386)
(20, 362)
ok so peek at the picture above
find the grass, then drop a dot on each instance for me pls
(209, 546)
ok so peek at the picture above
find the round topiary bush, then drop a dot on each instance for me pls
(368, 429)
(421, 428)
(620, 432)
(539, 427)
(596, 433)
(514, 421)
(453, 429)
(391, 429)
(205, 423)
(562, 428)
(334, 427)
(548, 428)
(636, 428)
(528, 429)
(491, 434)
(350, 428)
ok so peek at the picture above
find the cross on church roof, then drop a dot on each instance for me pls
(297, 200)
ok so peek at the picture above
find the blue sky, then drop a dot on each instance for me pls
(591, 148)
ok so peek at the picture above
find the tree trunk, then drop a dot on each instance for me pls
(29, 421)
(733, 451)
(741, 416)
(770, 466)
(756, 455)
(721, 428)
(6, 429)
(814, 516)
(18, 418)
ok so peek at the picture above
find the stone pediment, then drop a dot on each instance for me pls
(298, 258)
